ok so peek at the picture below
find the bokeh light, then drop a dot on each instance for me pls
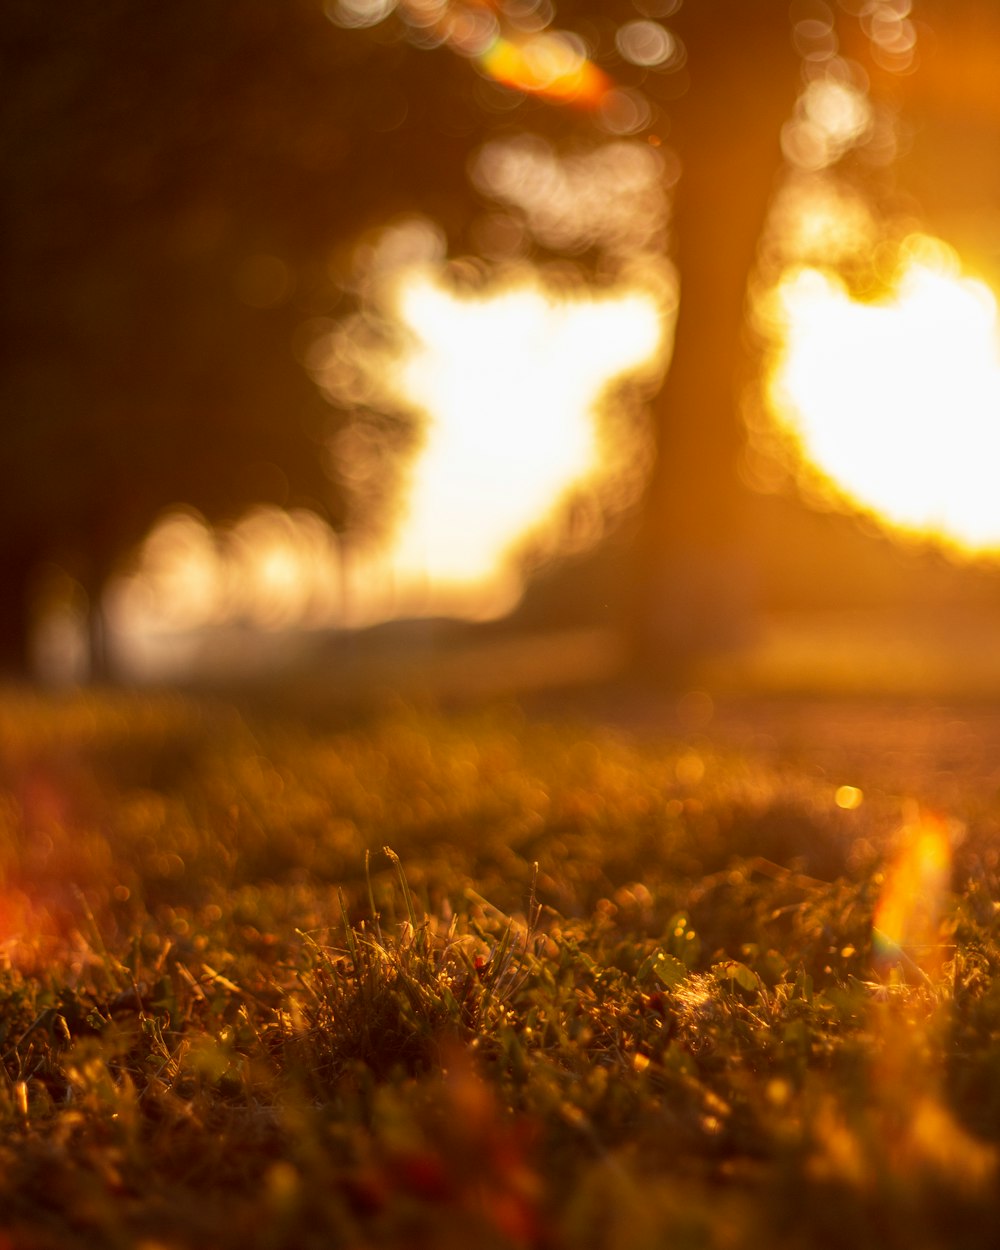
(182, 580)
(473, 392)
(507, 385)
(817, 220)
(647, 43)
(505, 441)
(358, 13)
(896, 400)
(892, 34)
(848, 798)
(282, 569)
(614, 195)
(831, 116)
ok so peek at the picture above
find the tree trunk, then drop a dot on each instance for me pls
(19, 565)
(692, 586)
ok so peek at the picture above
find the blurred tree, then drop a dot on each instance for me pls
(690, 575)
(695, 571)
(692, 571)
(175, 182)
(181, 188)
(722, 116)
(692, 578)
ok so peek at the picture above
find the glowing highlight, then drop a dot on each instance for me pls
(505, 441)
(551, 64)
(507, 388)
(907, 922)
(897, 401)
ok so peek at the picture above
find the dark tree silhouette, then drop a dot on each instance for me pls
(175, 184)
(692, 575)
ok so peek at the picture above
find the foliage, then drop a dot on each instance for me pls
(229, 1017)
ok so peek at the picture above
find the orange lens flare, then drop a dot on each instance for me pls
(550, 65)
(907, 919)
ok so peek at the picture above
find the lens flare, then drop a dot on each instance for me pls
(552, 64)
(907, 1126)
(907, 922)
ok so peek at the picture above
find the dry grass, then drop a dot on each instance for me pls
(599, 994)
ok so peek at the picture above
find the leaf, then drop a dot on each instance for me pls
(733, 970)
(667, 968)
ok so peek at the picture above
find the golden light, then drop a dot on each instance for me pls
(281, 568)
(896, 401)
(908, 1127)
(510, 381)
(849, 798)
(613, 195)
(183, 578)
(907, 920)
(817, 221)
(831, 116)
(552, 64)
(269, 571)
(893, 35)
(358, 13)
(508, 385)
(647, 43)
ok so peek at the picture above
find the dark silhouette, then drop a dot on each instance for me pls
(181, 188)
(693, 575)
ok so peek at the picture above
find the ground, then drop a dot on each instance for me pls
(633, 971)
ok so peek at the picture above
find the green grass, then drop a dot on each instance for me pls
(599, 993)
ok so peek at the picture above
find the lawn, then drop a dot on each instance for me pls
(495, 977)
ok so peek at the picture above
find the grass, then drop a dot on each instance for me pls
(600, 992)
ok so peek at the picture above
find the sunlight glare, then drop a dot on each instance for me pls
(509, 381)
(897, 401)
(506, 388)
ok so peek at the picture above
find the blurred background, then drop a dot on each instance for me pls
(662, 334)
